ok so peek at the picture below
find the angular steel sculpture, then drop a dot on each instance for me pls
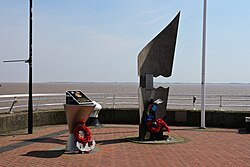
(156, 59)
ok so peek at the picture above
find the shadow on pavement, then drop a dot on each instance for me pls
(45, 154)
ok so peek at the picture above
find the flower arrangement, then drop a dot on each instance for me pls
(159, 125)
(82, 134)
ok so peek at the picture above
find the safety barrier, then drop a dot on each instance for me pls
(18, 102)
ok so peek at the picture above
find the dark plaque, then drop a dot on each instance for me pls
(77, 97)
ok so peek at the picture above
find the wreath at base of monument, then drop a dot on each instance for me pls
(160, 126)
(85, 136)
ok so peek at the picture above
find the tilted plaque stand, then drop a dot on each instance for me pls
(78, 109)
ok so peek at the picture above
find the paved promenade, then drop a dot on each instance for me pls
(45, 147)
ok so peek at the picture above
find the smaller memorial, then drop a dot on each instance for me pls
(78, 108)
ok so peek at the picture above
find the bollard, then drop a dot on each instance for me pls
(247, 122)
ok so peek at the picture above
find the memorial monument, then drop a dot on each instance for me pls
(156, 59)
(78, 109)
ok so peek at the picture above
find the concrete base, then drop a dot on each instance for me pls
(71, 144)
(168, 140)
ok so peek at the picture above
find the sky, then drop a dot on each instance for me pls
(99, 40)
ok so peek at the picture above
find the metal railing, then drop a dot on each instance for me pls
(19, 102)
(213, 102)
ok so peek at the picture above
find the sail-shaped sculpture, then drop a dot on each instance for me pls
(156, 59)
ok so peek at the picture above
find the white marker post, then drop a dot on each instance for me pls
(203, 72)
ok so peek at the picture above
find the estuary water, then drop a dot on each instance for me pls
(233, 96)
(88, 87)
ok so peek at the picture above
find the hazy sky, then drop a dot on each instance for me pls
(99, 40)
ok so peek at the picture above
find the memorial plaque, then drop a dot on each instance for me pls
(77, 97)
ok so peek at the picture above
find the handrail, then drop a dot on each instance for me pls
(34, 95)
(16, 102)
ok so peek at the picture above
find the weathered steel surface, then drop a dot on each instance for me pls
(156, 59)
(158, 55)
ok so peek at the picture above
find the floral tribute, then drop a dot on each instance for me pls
(82, 133)
(160, 125)
(153, 125)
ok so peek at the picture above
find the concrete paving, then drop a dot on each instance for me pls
(202, 147)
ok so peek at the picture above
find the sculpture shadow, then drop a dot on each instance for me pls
(45, 154)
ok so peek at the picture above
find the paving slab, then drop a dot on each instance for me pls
(202, 147)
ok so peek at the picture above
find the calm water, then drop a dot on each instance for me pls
(17, 88)
(180, 96)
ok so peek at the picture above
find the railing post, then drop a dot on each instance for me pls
(221, 103)
(37, 104)
(12, 105)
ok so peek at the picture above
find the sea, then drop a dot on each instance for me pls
(122, 87)
(230, 95)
